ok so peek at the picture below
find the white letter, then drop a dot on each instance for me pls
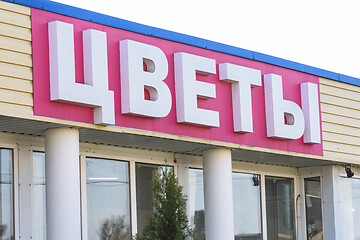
(310, 107)
(63, 88)
(242, 79)
(188, 89)
(277, 108)
(134, 79)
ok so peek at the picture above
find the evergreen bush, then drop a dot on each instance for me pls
(168, 220)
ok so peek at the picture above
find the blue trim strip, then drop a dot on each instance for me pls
(180, 38)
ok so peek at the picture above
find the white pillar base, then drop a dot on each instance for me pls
(62, 171)
(219, 216)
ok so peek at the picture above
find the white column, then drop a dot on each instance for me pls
(219, 216)
(62, 172)
(183, 176)
(331, 203)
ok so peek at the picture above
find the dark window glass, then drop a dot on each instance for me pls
(145, 174)
(279, 208)
(313, 208)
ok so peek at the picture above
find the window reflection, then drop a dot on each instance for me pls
(313, 208)
(247, 209)
(145, 174)
(39, 195)
(196, 202)
(6, 194)
(350, 208)
(279, 208)
(108, 200)
(247, 205)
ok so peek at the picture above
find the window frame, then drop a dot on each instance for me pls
(180, 162)
(83, 192)
(132, 156)
(24, 175)
(6, 143)
(295, 219)
(343, 175)
(15, 189)
(261, 176)
(262, 170)
(304, 194)
(307, 172)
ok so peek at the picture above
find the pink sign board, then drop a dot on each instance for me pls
(222, 103)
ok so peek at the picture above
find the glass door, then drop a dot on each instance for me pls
(280, 210)
(313, 208)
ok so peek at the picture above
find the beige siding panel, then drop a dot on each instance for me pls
(340, 113)
(342, 102)
(15, 58)
(14, 8)
(340, 129)
(16, 90)
(14, 18)
(16, 110)
(16, 71)
(16, 84)
(20, 98)
(15, 32)
(15, 45)
(340, 92)
(339, 85)
(340, 120)
(342, 148)
(341, 139)
(342, 157)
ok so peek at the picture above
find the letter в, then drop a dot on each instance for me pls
(135, 79)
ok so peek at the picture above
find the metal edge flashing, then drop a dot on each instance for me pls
(115, 22)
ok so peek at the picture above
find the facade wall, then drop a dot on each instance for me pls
(339, 101)
(28, 224)
(15, 61)
(340, 112)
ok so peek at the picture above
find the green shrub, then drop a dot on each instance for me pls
(169, 220)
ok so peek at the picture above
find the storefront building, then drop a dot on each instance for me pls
(91, 108)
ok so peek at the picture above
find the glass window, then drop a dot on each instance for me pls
(247, 206)
(39, 196)
(350, 208)
(313, 208)
(108, 199)
(145, 174)
(6, 194)
(196, 202)
(279, 208)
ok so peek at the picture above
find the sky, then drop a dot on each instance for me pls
(319, 33)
